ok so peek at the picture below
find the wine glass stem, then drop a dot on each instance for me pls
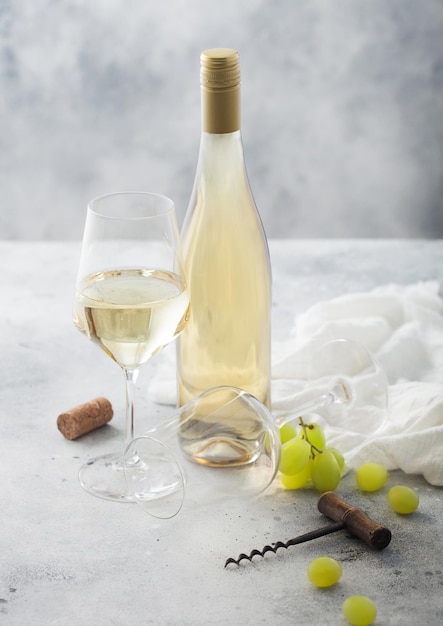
(131, 376)
(338, 394)
(322, 400)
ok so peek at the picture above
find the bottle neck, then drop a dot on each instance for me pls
(221, 148)
(220, 110)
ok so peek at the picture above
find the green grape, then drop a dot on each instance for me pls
(324, 571)
(338, 457)
(403, 499)
(359, 610)
(325, 471)
(371, 476)
(313, 432)
(299, 480)
(294, 456)
(287, 432)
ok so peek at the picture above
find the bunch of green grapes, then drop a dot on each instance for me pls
(306, 459)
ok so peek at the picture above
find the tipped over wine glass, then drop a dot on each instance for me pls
(225, 443)
(131, 300)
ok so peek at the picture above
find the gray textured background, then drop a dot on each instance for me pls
(342, 110)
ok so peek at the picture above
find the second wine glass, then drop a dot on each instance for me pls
(225, 442)
(131, 300)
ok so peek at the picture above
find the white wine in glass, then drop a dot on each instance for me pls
(131, 299)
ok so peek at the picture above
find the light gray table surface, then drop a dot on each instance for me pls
(67, 558)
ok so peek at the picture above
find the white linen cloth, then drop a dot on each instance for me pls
(402, 328)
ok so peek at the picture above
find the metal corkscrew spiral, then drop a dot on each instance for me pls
(344, 515)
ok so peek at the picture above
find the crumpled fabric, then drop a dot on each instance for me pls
(402, 328)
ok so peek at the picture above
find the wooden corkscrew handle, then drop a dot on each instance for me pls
(354, 520)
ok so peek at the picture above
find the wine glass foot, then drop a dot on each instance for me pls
(104, 477)
(359, 395)
(154, 477)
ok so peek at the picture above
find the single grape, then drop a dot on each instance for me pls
(299, 480)
(324, 571)
(403, 499)
(294, 456)
(325, 473)
(313, 433)
(359, 610)
(287, 432)
(338, 457)
(371, 476)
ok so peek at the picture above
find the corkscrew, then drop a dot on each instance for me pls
(345, 517)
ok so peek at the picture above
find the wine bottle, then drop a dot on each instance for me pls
(227, 340)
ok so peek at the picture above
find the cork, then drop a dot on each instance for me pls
(84, 418)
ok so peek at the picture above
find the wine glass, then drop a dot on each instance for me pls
(131, 300)
(222, 443)
(225, 442)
